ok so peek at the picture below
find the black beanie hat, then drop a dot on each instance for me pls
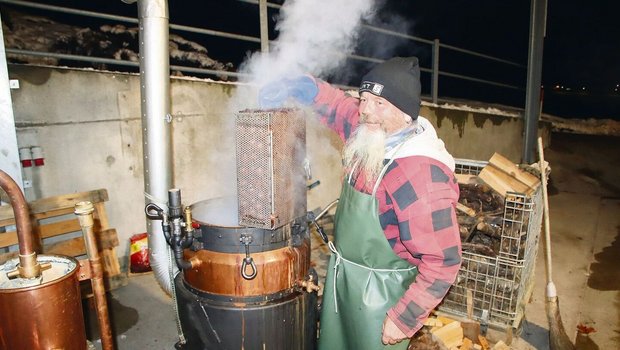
(398, 81)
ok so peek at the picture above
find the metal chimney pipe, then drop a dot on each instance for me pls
(28, 265)
(156, 119)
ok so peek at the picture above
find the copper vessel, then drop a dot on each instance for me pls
(279, 264)
(40, 301)
(44, 312)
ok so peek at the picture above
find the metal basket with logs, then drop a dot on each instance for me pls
(499, 234)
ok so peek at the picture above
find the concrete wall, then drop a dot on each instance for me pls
(478, 132)
(88, 124)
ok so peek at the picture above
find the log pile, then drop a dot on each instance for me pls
(479, 215)
(446, 333)
(493, 213)
(480, 211)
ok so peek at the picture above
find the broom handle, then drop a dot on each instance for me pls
(543, 175)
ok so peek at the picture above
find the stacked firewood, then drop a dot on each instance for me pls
(446, 333)
(493, 213)
(480, 217)
(481, 207)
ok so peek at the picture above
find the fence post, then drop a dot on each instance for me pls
(531, 115)
(435, 82)
(264, 26)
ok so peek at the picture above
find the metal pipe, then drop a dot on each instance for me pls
(264, 26)
(28, 265)
(435, 81)
(61, 9)
(532, 112)
(125, 63)
(178, 239)
(481, 55)
(84, 211)
(157, 142)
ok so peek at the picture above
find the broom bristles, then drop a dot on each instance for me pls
(558, 339)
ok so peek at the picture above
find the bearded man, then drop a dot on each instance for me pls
(397, 249)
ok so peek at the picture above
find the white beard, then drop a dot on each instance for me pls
(365, 149)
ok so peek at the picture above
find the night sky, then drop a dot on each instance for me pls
(581, 66)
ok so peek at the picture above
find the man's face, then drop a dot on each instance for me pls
(378, 113)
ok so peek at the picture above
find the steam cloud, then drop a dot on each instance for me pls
(315, 37)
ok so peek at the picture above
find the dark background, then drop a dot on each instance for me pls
(581, 65)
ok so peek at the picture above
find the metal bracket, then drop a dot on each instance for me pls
(85, 272)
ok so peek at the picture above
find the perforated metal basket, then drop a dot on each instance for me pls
(271, 182)
(500, 285)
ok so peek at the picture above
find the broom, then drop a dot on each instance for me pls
(558, 340)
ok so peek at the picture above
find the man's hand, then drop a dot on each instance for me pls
(302, 89)
(391, 333)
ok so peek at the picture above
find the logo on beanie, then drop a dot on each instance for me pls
(375, 88)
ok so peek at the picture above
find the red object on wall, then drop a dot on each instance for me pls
(37, 156)
(25, 156)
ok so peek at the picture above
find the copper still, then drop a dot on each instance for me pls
(39, 295)
(40, 300)
(44, 313)
(247, 281)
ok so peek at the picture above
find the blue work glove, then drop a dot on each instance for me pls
(275, 94)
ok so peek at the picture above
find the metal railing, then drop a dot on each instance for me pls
(435, 47)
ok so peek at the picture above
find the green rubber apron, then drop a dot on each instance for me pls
(365, 277)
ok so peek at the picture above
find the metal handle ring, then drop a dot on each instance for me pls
(247, 261)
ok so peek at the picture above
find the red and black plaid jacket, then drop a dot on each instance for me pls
(417, 199)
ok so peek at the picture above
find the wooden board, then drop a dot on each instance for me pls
(44, 231)
(60, 209)
(513, 170)
(106, 240)
(451, 335)
(501, 181)
(504, 176)
(53, 206)
(111, 265)
(466, 178)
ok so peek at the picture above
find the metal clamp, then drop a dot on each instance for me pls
(153, 211)
(247, 240)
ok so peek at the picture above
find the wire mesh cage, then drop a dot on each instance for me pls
(271, 183)
(499, 286)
